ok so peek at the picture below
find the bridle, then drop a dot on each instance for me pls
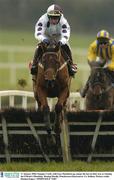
(40, 64)
(104, 89)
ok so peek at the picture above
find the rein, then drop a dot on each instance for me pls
(62, 66)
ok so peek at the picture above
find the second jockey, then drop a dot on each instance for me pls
(53, 26)
(101, 49)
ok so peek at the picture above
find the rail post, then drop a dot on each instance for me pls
(64, 136)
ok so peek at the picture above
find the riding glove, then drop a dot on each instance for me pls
(60, 43)
(63, 41)
(46, 41)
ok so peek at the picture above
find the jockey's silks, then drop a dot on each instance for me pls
(105, 52)
(45, 30)
(53, 30)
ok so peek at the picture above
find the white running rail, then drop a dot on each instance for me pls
(73, 100)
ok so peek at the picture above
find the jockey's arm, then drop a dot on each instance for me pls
(111, 64)
(40, 28)
(65, 30)
(92, 52)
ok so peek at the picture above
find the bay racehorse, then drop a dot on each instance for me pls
(100, 94)
(52, 80)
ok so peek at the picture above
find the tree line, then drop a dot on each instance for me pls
(82, 15)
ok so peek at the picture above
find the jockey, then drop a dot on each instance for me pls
(53, 26)
(102, 49)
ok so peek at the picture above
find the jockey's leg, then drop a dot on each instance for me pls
(68, 57)
(85, 88)
(37, 55)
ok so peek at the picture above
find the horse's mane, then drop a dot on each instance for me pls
(50, 49)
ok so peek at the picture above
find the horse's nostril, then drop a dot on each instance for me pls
(49, 80)
(50, 83)
(53, 80)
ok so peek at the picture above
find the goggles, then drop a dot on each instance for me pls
(54, 17)
(103, 41)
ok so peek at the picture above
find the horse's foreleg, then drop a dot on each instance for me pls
(62, 100)
(45, 109)
(42, 96)
(35, 92)
(58, 109)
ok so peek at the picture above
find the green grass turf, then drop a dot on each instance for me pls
(53, 166)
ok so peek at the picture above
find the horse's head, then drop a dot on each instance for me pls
(51, 63)
(99, 82)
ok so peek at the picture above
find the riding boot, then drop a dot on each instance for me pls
(36, 59)
(68, 57)
(85, 89)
